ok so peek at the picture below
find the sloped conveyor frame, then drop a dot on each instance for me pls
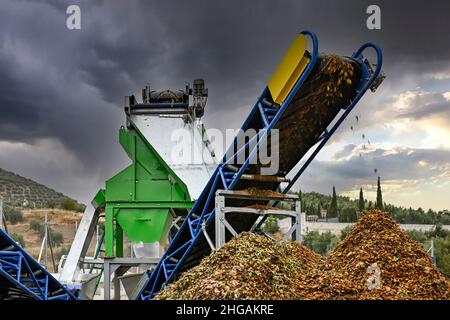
(201, 214)
(22, 277)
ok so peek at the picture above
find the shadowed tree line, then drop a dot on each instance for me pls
(347, 210)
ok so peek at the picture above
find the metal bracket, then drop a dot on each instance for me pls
(208, 238)
(118, 267)
(222, 225)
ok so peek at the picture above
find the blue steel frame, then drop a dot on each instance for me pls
(367, 78)
(168, 264)
(16, 267)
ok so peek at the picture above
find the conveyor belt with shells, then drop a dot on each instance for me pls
(330, 84)
(309, 114)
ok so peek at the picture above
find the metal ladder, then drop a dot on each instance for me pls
(226, 176)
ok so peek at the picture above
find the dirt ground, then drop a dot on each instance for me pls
(62, 221)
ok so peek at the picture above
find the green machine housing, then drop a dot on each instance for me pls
(141, 200)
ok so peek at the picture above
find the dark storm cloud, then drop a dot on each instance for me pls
(234, 45)
(69, 85)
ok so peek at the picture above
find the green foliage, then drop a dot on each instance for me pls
(18, 191)
(441, 242)
(68, 204)
(71, 205)
(361, 202)
(321, 243)
(285, 205)
(403, 215)
(38, 227)
(347, 214)
(80, 207)
(442, 253)
(61, 251)
(51, 203)
(271, 225)
(417, 235)
(379, 195)
(18, 238)
(302, 203)
(56, 237)
(438, 232)
(333, 212)
(13, 215)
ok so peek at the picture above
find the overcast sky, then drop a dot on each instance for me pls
(61, 91)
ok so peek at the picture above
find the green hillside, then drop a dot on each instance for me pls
(21, 192)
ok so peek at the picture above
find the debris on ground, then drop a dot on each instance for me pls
(247, 267)
(376, 260)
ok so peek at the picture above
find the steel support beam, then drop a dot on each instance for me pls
(222, 225)
(116, 267)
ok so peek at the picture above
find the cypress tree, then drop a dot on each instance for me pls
(361, 200)
(379, 196)
(300, 198)
(333, 206)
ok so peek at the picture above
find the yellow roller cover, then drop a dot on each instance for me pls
(289, 70)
